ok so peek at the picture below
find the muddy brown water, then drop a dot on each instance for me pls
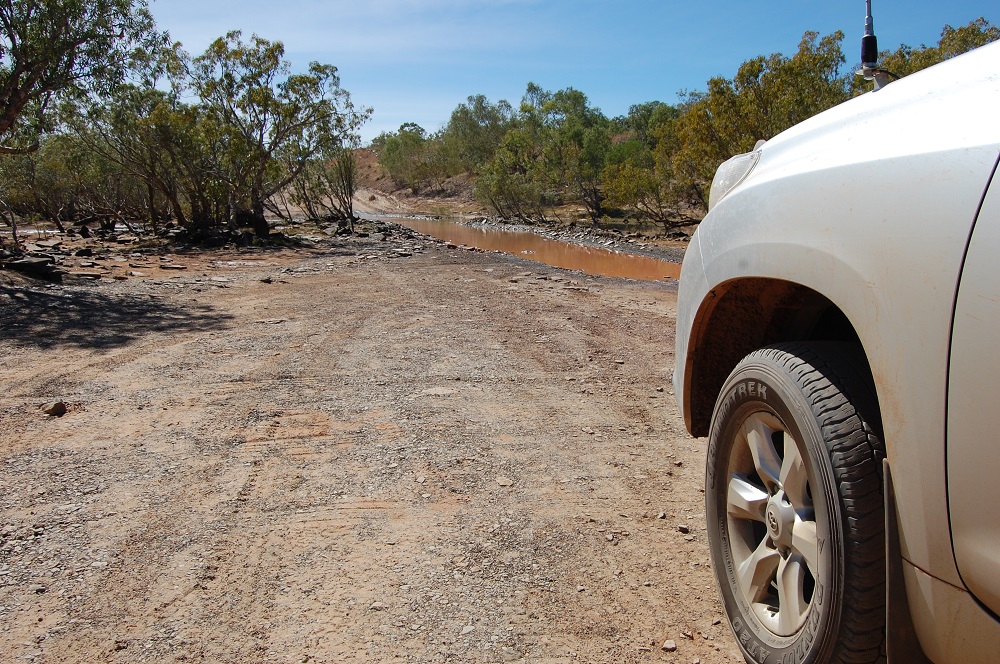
(568, 255)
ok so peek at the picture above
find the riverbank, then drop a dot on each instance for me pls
(668, 249)
(607, 252)
(671, 250)
(378, 197)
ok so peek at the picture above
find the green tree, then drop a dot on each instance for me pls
(51, 47)
(344, 181)
(640, 175)
(406, 154)
(644, 119)
(66, 181)
(272, 123)
(475, 130)
(954, 41)
(767, 95)
(574, 142)
(639, 188)
(553, 153)
(48, 182)
(146, 129)
(512, 183)
(634, 178)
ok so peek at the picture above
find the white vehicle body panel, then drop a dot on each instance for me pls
(952, 627)
(973, 390)
(871, 204)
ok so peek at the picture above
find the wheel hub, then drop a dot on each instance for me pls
(780, 518)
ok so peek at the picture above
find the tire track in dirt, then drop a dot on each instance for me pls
(416, 460)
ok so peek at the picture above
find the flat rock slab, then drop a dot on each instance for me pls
(43, 268)
(439, 392)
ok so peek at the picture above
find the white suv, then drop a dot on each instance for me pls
(838, 341)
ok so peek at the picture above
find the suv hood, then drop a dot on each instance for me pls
(917, 114)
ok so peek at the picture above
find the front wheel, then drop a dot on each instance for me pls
(794, 506)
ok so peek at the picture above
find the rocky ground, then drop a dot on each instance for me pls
(364, 449)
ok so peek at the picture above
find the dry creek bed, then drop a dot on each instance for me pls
(369, 450)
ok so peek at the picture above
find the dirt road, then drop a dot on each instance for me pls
(370, 451)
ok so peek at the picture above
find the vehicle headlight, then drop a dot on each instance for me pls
(730, 175)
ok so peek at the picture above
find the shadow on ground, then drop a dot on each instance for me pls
(87, 319)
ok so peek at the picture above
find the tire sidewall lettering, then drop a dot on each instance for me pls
(741, 390)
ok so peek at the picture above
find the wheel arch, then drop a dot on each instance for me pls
(741, 315)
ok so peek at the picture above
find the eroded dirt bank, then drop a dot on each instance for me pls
(349, 453)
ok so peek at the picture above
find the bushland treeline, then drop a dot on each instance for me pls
(654, 164)
(106, 120)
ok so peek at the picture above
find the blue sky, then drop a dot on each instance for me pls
(416, 60)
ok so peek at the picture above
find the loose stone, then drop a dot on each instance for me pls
(54, 408)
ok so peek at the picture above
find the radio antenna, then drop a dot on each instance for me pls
(869, 53)
(869, 44)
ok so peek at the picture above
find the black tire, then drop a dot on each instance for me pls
(794, 506)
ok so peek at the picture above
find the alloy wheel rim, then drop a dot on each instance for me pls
(773, 531)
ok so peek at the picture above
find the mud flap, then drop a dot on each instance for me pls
(901, 643)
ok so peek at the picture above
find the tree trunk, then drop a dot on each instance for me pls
(12, 222)
(260, 226)
(175, 205)
(151, 194)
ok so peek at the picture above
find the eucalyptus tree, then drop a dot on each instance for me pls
(575, 142)
(271, 122)
(47, 183)
(954, 41)
(343, 181)
(66, 181)
(146, 128)
(325, 188)
(640, 176)
(407, 154)
(766, 96)
(475, 131)
(53, 47)
(553, 154)
(512, 183)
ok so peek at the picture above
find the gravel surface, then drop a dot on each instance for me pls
(367, 450)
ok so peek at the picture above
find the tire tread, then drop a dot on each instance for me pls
(842, 400)
(833, 388)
